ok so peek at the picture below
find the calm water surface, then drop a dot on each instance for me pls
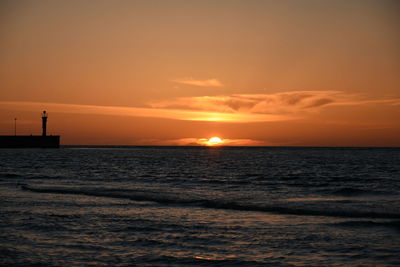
(128, 206)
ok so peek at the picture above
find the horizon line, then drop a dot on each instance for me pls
(217, 146)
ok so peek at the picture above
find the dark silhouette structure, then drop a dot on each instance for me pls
(44, 123)
(31, 141)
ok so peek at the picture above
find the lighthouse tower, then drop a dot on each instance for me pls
(44, 123)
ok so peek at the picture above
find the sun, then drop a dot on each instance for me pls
(213, 141)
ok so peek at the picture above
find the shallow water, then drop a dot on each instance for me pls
(174, 206)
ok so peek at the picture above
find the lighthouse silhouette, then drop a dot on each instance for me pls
(44, 122)
(31, 141)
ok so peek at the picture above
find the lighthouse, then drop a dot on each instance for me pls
(31, 141)
(44, 123)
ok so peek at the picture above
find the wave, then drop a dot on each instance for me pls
(15, 176)
(214, 204)
(349, 191)
(168, 260)
(357, 224)
(10, 175)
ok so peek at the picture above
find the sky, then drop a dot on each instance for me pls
(178, 72)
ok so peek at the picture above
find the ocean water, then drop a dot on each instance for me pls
(188, 206)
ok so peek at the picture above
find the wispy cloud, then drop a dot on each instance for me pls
(176, 114)
(202, 83)
(295, 102)
(238, 108)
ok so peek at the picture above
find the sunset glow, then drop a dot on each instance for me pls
(200, 132)
(214, 141)
(179, 71)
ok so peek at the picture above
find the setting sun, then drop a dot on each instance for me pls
(214, 141)
(200, 132)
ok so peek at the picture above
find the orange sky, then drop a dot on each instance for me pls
(167, 72)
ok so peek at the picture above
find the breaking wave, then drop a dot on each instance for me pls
(213, 204)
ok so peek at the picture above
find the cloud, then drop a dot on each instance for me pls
(202, 142)
(286, 103)
(176, 114)
(202, 83)
(237, 108)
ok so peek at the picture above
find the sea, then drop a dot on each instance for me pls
(200, 206)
